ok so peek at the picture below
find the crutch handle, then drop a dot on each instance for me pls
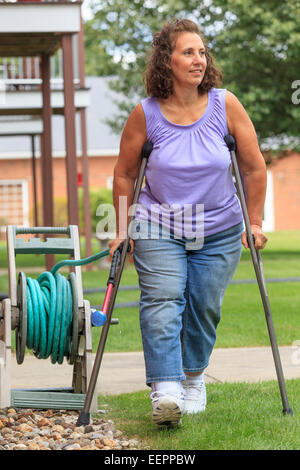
(98, 317)
(114, 265)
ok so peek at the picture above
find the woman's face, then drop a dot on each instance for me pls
(188, 60)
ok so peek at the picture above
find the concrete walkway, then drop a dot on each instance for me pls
(125, 372)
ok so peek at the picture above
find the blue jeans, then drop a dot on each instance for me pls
(181, 296)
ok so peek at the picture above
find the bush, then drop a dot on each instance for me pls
(60, 213)
(97, 197)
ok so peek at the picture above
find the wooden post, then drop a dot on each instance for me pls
(69, 112)
(47, 172)
(36, 220)
(85, 167)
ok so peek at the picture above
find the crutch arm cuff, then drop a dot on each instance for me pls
(147, 149)
(230, 142)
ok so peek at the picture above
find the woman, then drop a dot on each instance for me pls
(186, 260)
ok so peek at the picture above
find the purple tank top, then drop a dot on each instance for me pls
(188, 180)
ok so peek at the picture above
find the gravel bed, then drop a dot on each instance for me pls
(27, 429)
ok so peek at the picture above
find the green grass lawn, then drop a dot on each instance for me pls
(238, 416)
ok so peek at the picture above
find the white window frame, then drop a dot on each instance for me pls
(109, 182)
(269, 218)
(25, 203)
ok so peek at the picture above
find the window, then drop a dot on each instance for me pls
(109, 182)
(268, 217)
(13, 203)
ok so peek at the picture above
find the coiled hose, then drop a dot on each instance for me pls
(50, 307)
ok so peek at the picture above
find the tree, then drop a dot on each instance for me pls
(97, 61)
(256, 44)
(258, 49)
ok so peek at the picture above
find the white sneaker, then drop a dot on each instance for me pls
(195, 396)
(167, 410)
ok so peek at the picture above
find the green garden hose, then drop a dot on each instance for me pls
(51, 305)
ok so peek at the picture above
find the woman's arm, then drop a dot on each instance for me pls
(251, 164)
(127, 168)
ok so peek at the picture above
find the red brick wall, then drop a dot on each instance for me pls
(286, 186)
(100, 169)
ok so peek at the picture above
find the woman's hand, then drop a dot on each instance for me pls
(259, 237)
(114, 244)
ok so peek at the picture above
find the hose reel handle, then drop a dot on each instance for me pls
(40, 230)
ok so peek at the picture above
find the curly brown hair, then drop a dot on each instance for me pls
(158, 74)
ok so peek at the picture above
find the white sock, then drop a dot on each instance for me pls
(169, 388)
(194, 379)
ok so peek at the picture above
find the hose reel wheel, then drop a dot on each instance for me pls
(73, 347)
(21, 329)
(48, 320)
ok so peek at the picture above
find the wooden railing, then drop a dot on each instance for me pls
(23, 73)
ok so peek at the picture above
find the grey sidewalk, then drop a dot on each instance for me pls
(125, 372)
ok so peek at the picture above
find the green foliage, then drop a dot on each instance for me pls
(97, 197)
(60, 207)
(256, 44)
(258, 50)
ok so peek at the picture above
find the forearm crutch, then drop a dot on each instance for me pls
(258, 267)
(119, 258)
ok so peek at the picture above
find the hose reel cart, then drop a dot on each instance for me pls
(48, 315)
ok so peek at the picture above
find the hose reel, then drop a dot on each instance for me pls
(49, 317)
